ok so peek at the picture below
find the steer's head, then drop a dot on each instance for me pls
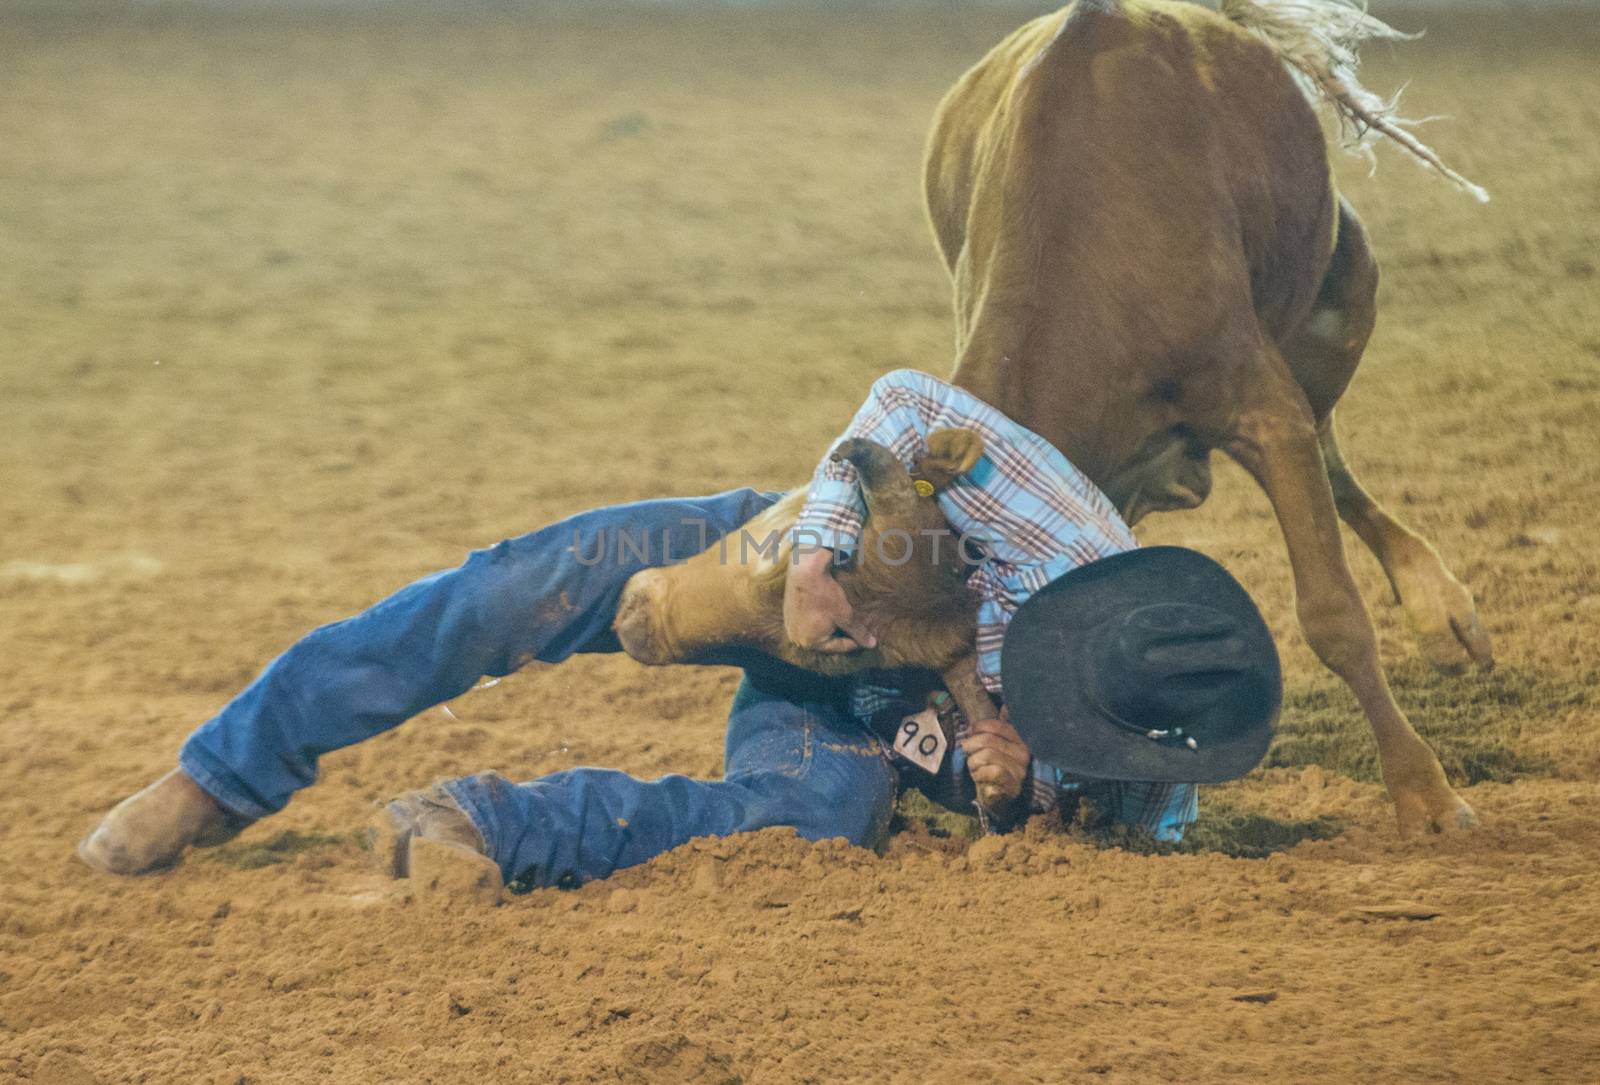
(908, 579)
(908, 586)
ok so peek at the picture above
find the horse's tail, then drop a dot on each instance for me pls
(1318, 41)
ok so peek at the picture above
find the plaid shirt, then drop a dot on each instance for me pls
(1031, 513)
(1032, 516)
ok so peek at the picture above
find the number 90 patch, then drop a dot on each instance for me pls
(920, 740)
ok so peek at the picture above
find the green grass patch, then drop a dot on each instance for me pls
(282, 848)
(920, 816)
(1247, 834)
(1222, 829)
(1475, 721)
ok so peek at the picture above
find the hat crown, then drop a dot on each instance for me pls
(1162, 665)
(1153, 664)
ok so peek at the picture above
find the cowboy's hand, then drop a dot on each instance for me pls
(997, 761)
(816, 613)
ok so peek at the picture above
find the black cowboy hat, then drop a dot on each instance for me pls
(1150, 665)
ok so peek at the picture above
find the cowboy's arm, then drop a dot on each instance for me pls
(995, 755)
(896, 415)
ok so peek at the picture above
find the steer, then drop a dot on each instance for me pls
(1151, 262)
(908, 580)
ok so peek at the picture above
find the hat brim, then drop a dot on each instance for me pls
(1045, 656)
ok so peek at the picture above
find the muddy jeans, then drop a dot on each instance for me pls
(794, 756)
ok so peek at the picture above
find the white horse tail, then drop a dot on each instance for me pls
(1318, 41)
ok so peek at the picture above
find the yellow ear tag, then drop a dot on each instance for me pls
(924, 487)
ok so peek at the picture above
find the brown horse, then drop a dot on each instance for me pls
(1151, 263)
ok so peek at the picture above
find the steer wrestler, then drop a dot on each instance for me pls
(1132, 673)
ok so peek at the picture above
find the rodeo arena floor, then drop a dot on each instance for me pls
(300, 305)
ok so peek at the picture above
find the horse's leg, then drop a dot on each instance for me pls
(1440, 608)
(1323, 355)
(1274, 437)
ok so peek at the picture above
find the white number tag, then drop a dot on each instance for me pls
(920, 740)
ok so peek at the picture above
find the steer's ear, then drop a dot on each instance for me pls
(950, 452)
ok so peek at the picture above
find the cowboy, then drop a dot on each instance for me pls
(1128, 675)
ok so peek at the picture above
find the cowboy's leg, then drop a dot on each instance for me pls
(542, 596)
(792, 760)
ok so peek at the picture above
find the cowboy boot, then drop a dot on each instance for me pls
(148, 830)
(425, 837)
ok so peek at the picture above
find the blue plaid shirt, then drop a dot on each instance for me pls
(1030, 513)
(1032, 516)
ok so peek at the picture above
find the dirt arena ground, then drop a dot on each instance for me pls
(295, 308)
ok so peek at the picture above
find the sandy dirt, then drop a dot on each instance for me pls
(296, 308)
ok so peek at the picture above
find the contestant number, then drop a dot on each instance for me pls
(920, 740)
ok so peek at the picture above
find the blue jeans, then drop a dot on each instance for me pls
(794, 756)
(788, 761)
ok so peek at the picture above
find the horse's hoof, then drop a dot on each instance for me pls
(1434, 813)
(1449, 632)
